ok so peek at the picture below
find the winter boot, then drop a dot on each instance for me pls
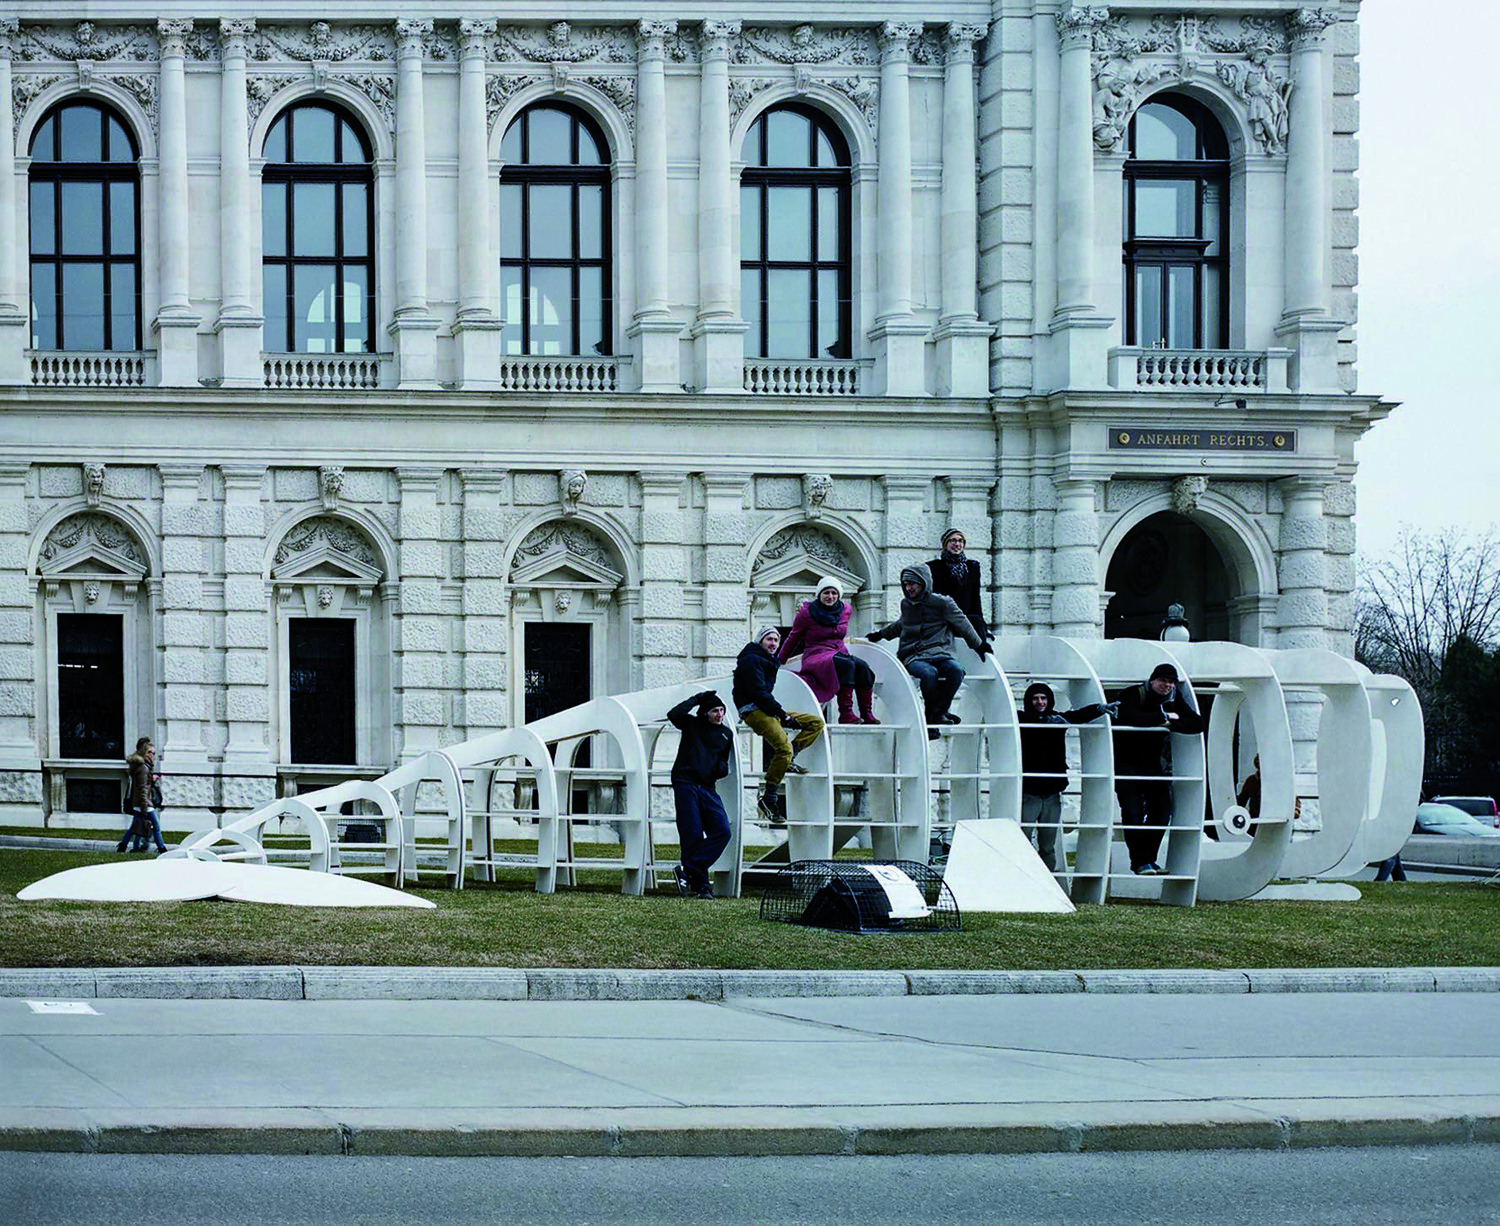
(846, 705)
(867, 707)
(773, 807)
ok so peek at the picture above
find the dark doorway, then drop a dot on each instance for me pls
(1167, 559)
(322, 683)
(91, 685)
(557, 668)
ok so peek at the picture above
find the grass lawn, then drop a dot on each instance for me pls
(507, 924)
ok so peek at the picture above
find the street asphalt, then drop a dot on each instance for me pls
(885, 1063)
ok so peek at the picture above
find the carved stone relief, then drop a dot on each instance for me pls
(322, 41)
(338, 535)
(561, 42)
(86, 527)
(804, 539)
(576, 538)
(93, 482)
(804, 44)
(816, 487)
(86, 41)
(331, 484)
(1130, 57)
(572, 484)
(1187, 492)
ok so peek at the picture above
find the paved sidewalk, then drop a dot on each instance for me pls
(744, 1075)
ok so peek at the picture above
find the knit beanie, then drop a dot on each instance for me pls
(1164, 672)
(765, 630)
(828, 581)
(952, 532)
(708, 702)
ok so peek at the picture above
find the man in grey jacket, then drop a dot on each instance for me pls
(925, 628)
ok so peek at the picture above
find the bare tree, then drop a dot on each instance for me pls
(1430, 591)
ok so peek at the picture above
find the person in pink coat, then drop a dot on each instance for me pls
(818, 632)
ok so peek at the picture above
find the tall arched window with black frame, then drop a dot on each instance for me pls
(1176, 223)
(317, 232)
(795, 246)
(555, 249)
(85, 228)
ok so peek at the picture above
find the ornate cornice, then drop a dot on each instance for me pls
(1306, 26)
(1076, 23)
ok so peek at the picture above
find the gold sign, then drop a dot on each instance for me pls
(1199, 438)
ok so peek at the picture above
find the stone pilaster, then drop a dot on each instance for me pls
(485, 605)
(726, 610)
(908, 535)
(1013, 498)
(186, 638)
(247, 677)
(239, 325)
(897, 339)
(476, 332)
(1075, 560)
(13, 319)
(20, 775)
(1301, 566)
(414, 330)
(1307, 327)
(665, 650)
(653, 329)
(1078, 331)
(421, 629)
(962, 339)
(718, 334)
(1338, 512)
(176, 326)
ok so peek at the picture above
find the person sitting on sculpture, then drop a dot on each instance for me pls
(956, 574)
(754, 679)
(1141, 761)
(702, 760)
(818, 632)
(925, 629)
(1044, 766)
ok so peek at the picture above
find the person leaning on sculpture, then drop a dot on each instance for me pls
(702, 760)
(1147, 802)
(145, 799)
(1044, 766)
(754, 679)
(818, 632)
(925, 629)
(956, 574)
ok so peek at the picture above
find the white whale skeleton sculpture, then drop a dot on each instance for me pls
(888, 780)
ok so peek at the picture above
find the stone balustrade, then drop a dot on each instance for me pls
(559, 374)
(1227, 370)
(333, 371)
(784, 377)
(87, 368)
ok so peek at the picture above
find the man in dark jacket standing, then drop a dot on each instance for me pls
(1147, 802)
(1044, 766)
(925, 628)
(702, 760)
(754, 678)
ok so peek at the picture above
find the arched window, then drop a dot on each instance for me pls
(794, 237)
(85, 231)
(554, 234)
(1176, 227)
(317, 227)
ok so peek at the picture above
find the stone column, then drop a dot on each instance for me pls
(1075, 560)
(898, 339)
(186, 639)
(413, 329)
(476, 332)
(1301, 569)
(653, 329)
(1077, 328)
(176, 326)
(665, 652)
(239, 325)
(962, 340)
(13, 317)
(1013, 566)
(421, 623)
(1305, 326)
(20, 765)
(909, 537)
(249, 769)
(485, 602)
(726, 609)
(718, 335)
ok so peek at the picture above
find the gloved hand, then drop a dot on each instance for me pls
(875, 636)
(983, 649)
(1112, 709)
(788, 722)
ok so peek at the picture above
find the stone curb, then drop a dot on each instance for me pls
(309, 1131)
(515, 984)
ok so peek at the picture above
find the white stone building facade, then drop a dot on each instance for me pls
(595, 340)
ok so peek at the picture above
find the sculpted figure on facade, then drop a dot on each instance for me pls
(1187, 492)
(572, 484)
(90, 526)
(804, 44)
(1119, 83)
(565, 43)
(93, 482)
(321, 41)
(1266, 97)
(816, 487)
(331, 484)
(86, 41)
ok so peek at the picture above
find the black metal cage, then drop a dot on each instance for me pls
(846, 896)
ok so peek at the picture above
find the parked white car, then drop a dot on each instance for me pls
(1434, 818)
(1482, 807)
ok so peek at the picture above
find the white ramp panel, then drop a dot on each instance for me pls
(1398, 750)
(984, 748)
(188, 879)
(992, 866)
(1240, 864)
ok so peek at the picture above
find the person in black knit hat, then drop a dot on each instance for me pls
(1145, 795)
(956, 575)
(702, 760)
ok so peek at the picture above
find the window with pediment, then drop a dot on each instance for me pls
(788, 567)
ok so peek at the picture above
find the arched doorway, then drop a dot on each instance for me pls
(1169, 559)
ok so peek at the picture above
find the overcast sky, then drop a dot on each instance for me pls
(1429, 267)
